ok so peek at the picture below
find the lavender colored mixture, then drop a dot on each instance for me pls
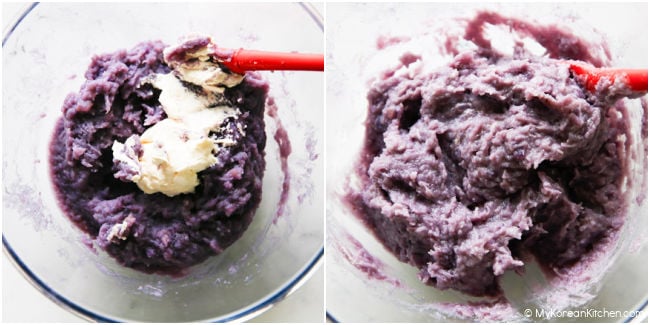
(491, 158)
(162, 234)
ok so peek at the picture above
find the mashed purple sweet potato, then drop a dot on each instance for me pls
(491, 157)
(153, 232)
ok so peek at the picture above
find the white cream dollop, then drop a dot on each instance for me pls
(176, 149)
(198, 69)
(205, 73)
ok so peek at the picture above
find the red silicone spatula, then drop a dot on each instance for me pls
(249, 60)
(635, 79)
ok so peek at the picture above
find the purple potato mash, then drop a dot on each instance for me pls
(468, 169)
(161, 234)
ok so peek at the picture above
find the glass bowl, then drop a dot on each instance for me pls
(365, 282)
(45, 55)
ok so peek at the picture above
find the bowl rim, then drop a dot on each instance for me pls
(640, 315)
(239, 316)
(245, 314)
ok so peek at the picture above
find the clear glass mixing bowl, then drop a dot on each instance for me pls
(365, 283)
(45, 55)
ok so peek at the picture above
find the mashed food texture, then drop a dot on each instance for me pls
(164, 170)
(467, 168)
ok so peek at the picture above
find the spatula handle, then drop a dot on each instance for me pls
(636, 79)
(249, 60)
